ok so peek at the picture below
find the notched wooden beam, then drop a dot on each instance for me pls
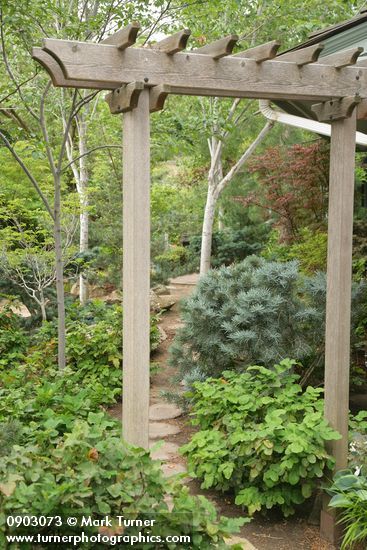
(342, 59)
(158, 96)
(262, 52)
(57, 76)
(124, 37)
(336, 109)
(126, 98)
(219, 48)
(173, 44)
(303, 56)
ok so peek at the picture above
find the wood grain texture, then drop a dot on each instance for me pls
(196, 74)
(304, 55)
(342, 59)
(220, 48)
(339, 280)
(336, 109)
(136, 272)
(124, 37)
(173, 44)
(57, 76)
(124, 99)
(158, 96)
(262, 52)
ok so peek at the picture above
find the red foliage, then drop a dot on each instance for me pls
(293, 185)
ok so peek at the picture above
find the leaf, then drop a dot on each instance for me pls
(8, 488)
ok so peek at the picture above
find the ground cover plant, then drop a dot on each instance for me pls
(349, 496)
(62, 454)
(260, 436)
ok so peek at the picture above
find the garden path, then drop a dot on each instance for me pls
(167, 424)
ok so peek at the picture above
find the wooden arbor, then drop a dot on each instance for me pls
(140, 80)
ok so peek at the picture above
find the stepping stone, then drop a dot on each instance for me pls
(159, 430)
(245, 544)
(164, 411)
(165, 452)
(173, 469)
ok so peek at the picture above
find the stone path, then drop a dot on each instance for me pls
(161, 412)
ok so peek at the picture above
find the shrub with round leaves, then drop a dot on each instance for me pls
(92, 472)
(260, 436)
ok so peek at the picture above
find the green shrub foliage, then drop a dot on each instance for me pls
(260, 436)
(61, 454)
(349, 495)
(254, 312)
(92, 472)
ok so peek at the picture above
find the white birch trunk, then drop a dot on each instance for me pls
(82, 188)
(61, 331)
(207, 233)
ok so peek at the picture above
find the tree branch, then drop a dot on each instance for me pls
(28, 174)
(91, 151)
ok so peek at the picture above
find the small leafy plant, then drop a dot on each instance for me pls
(90, 471)
(349, 494)
(260, 436)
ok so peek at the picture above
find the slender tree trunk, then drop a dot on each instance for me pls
(83, 198)
(42, 304)
(207, 233)
(59, 274)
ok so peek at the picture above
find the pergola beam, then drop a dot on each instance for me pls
(173, 44)
(124, 37)
(342, 59)
(260, 53)
(220, 48)
(303, 56)
(198, 74)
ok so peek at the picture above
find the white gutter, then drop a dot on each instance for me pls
(300, 122)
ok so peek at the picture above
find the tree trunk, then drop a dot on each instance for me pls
(83, 199)
(42, 304)
(207, 233)
(59, 274)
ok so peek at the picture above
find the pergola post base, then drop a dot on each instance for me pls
(330, 530)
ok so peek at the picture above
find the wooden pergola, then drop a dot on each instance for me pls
(140, 79)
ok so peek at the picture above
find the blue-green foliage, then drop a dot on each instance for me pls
(254, 312)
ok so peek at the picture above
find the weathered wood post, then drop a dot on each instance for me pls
(136, 272)
(338, 302)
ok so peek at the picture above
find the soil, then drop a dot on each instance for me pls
(265, 533)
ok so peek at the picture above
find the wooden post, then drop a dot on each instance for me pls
(136, 272)
(338, 303)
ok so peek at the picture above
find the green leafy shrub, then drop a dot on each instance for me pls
(349, 495)
(260, 437)
(13, 338)
(92, 472)
(93, 344)
(310, 250)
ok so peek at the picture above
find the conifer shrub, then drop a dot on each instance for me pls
(260, 436)
(254, 312)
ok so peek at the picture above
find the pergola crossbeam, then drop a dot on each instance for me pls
(173, 44)
(195, 73)
(220, 48)
(262, 52)
(303, 56)
(124, 37)
(342, 59)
